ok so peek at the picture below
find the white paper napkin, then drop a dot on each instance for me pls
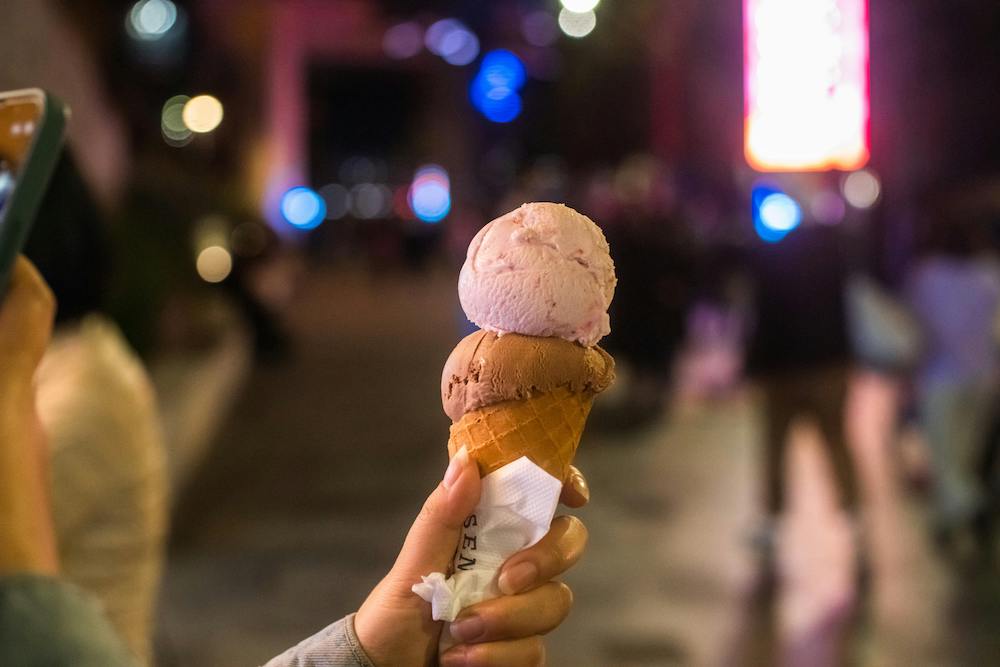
(514, 512)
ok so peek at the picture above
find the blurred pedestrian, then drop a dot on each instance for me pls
(654, 261)
(256, 251)
(799, 352)
(955, 292)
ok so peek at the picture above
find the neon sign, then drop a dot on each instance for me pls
(805, 70)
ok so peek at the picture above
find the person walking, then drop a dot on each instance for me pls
(955, 293)
(799, 353)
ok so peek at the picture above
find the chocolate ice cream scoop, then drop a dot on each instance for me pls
(485, 368)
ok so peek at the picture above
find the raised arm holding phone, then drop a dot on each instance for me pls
(27, 542)
(43, 620)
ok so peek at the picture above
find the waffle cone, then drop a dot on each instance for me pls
(546, 428)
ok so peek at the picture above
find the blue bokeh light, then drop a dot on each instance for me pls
(303, 208)
(780, 212)
(494, 89)
(500, 105)
(775, 214)
(431, 202)
(430, 194)
(501, 67)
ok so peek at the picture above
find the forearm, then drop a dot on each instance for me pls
(336, 645)
(27, 534)
(27, 538)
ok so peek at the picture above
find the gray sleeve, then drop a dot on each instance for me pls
(336, 645)
(46, 621)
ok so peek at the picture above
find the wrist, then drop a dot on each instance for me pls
(27, 534)
(28, 556)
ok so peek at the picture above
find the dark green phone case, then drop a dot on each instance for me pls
(32, 179)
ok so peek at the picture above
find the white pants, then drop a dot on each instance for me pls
(955, 416)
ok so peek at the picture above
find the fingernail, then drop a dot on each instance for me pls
(468, 629)
(517, 578)
(458, 463)
(579, 485)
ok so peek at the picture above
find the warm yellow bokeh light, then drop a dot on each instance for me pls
(214, 264)
(202, 113)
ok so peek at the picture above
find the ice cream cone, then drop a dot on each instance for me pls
(546, 428)
(538, 282)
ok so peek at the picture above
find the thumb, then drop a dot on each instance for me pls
(394, 624)
(431, 542)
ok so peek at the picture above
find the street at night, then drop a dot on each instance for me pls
(302, 508)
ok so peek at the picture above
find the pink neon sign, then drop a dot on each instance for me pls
(805, 75)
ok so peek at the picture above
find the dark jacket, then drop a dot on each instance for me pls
(800, 318)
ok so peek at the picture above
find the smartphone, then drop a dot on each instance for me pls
(32, 122)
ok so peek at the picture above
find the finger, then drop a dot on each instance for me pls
(514, 616)
(529, 652)
(555, 553)
(575, 492)
(430, 544)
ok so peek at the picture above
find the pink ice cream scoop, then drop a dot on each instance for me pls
(540, 270)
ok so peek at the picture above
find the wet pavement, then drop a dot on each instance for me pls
(302, 502)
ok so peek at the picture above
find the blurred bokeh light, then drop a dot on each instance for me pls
(459, 47)
(827, 207)
(303, 208)
(403, 40)
(175, 130)
(438, 34)
(494, 90)
(861, 189)
(151, 19)
(214, 264)
(577, 24)
(430, 193)
(540, 28)
(337, 199)
(370, 200)
(775, 214)
(202, 114)
(580, 6)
